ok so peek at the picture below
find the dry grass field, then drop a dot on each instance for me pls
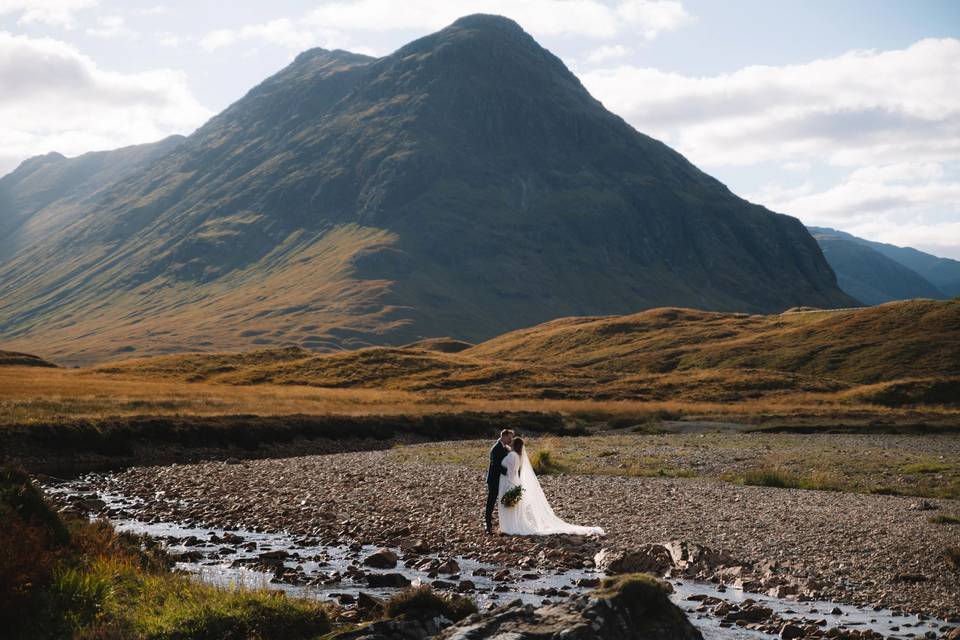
(916, 465)
(893, 364)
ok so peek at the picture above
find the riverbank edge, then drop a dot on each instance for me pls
(70, 448)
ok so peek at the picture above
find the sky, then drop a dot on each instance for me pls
(843, 113)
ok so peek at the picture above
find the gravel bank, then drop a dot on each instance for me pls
(857, 548)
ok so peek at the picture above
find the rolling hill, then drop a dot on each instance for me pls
(15, 359)
(660, 354)
(465, 185)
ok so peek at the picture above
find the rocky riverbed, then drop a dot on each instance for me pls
(864, 549)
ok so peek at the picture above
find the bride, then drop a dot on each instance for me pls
(532, 515)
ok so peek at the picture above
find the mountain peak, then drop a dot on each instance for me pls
(463, 185)
(488, 21)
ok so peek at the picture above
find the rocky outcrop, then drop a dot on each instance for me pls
(674, 558)
(628, 607)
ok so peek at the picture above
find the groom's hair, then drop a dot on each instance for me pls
(505, 432)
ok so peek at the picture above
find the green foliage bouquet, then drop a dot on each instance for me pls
(512, 497)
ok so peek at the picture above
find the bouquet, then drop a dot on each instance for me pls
(512, 497)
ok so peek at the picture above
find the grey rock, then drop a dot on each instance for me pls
(382, 580)
(650, 558)
(635, 608)
(382, 559)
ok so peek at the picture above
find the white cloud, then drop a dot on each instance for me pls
(155, 10)
(53, 12)
(588, 18)
(906, 203)
(608, 52)
(903, 189)
(858, 108)
(940, 239)
(111, 27)
(56, 98)
(167, 39)
(284, 32)
(883, 125)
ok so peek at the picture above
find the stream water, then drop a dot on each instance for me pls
(220, 562)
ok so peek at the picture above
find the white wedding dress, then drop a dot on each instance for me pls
(532, 516)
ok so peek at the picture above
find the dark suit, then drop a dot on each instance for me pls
(494, 471)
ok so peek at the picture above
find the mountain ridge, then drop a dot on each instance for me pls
(870, 276)
(465, 185)
(942, 273)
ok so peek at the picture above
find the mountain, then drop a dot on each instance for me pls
(942, 273)
(51, 184)
(463, 186)
(869, 276)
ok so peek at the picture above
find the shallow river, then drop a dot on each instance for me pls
(217, 564)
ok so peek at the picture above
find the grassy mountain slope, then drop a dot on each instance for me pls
(943, 273)
(871, 277)
(39, 197)
(465, 185)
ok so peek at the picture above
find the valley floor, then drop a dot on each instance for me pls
(852, 547)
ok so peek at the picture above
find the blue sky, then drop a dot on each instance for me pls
(843, 113)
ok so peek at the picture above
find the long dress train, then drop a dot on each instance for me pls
(532, 516)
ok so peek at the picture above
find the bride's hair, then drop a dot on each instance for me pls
(517, 445)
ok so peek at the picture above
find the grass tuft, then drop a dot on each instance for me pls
(943, 518)
(925, 467)
(951, 556)
(772, 477)
(545, 463)
(423, 603)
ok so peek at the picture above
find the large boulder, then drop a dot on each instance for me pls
(381, 559)
(387, 580)
(626, 607)
(693, 559)
(676, 557)
(650, 558)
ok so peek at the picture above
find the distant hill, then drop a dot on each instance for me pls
(660, 354)
(47, 193)
(15, 359)
(870, 276)
(942, 273)
(465, 185)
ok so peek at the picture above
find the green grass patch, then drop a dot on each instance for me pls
(77, 579)
(778, 478)
(943, 518)
(925, 467)
(545, 462)
(770, 478)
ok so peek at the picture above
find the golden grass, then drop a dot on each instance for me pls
(914, 338)
(31, 394)
(301, 292)
(890, 464)
(815, 368)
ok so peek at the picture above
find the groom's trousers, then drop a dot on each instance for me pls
(492, 491)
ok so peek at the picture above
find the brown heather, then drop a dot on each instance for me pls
(896, 363)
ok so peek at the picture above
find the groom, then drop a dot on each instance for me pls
(496, 469)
